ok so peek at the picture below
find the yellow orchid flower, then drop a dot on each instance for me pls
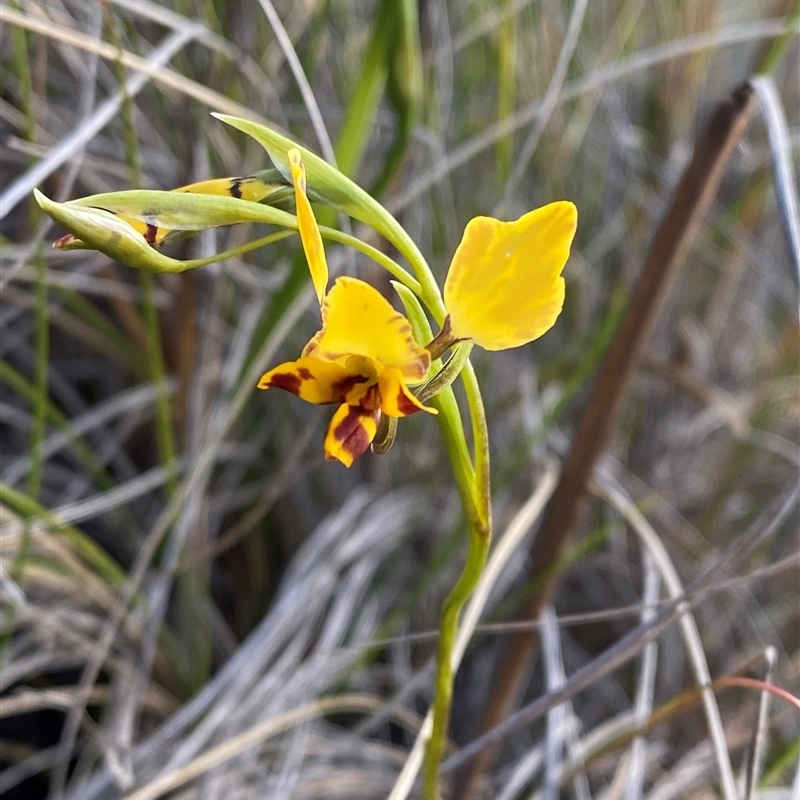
(504, 289)
(504, 286)
(363, 357)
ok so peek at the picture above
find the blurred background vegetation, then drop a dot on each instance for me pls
(180, 565)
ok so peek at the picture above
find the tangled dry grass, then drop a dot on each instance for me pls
(195, 605)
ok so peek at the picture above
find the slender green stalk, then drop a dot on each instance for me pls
(777, 51)
(164, 432)
(80, 448)
(41, 346)
(472, 476)
(392, 267)
(476, 498)
(479, 540)
(449, 420)
(473, 481)
(194, 263)
(480, 434)
(506, 92)
(92, 554)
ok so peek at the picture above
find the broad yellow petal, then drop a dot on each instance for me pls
(319, 382)
(350, 433)
(308, 228)
(504, 287)
(358, 321)
(396, 399)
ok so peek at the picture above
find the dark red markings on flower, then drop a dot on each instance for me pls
(151, 234)
(286, 381)
(235, 189)
(304, 373)
(405, 405)
(371, 401)
(352, 434)
(423, 359)
(341, 388)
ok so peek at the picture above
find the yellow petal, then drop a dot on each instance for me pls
(358, 321)
(307, 226)
(396, 399)
(504, 287)
(350, 433)
(317, 381)
(153, 235)
(246, 187)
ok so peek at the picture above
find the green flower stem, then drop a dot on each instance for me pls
(480, 435)
(392, 267)
(473, 480)
(479, 540)
(233, 252)
(449, 421)
(474, 487)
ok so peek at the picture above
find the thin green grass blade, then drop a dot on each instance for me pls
(506, 94)
(94, 555)
(365, 96)
(404, 87)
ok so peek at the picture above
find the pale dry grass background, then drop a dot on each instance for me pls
(279, 613)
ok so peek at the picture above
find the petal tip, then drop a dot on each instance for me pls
(350, 433)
